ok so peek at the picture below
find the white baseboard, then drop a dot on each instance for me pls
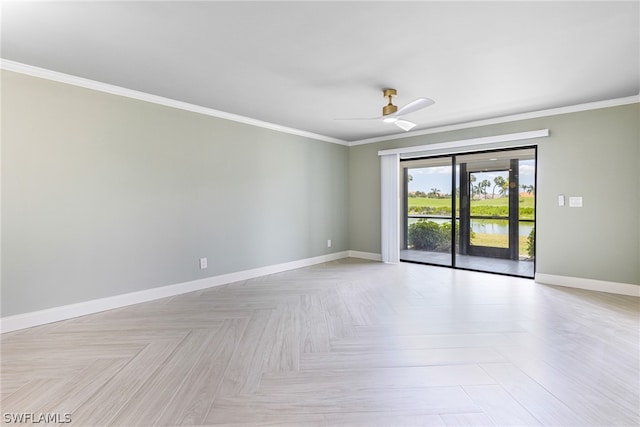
(589, 284)
(365, 255)
(55, 314)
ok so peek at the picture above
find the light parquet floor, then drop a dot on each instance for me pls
(346, 343)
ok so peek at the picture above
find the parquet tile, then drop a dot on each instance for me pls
(346, 343)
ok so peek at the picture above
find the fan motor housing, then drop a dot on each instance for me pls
(389, 108)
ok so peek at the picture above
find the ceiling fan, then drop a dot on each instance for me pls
(391, 113)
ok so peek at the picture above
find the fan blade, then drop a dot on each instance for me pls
(416, 105)
(405, 125)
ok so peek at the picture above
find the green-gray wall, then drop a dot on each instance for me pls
(594, 154)
(105, 195)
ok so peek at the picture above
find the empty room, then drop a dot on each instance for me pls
(305, 213)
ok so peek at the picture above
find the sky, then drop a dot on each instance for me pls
(424, 179)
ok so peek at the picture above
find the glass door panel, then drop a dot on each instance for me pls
(496, 218)
(428, 211)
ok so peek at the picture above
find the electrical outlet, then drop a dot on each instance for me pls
(329, 243)
(203, 263)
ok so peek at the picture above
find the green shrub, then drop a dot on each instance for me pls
(531, 244)
(430, 210)
(431, 236)
(526, 213)
(500, 211)
(426, 235)
(490, 210)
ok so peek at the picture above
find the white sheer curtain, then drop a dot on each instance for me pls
(390, 212)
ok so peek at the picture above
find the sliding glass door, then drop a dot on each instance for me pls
(474, 211)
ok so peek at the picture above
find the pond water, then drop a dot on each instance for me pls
(499, 226)
(489, 226)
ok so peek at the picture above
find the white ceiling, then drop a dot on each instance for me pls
(304, 64)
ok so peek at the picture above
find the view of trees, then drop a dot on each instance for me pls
(501, 184)
(490, 198)
(528, 188)
(499, 187)
(434, 201)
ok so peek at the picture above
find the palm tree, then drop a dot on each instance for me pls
(483, 186)
(434, 192)
(472, 187)
(500, 183)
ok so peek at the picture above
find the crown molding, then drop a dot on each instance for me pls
(142, 96)
(506, 119)
(18, 67)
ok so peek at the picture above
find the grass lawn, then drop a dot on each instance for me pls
(426, 201)
(525, 202)
(499, 241)
(481, 207)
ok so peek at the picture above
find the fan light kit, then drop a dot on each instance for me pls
(391, 113)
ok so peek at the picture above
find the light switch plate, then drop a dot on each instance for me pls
(561, 200)
(575, 202)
